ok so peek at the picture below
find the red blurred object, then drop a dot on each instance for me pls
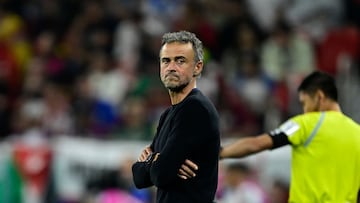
(33, 163)
(345, 40)
(281, 92)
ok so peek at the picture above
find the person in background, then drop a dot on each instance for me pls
(241, 186)
(187, 130)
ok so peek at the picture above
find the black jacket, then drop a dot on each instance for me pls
(188, 130)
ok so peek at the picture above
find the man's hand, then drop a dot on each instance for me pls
(145, 154)
(187, 170)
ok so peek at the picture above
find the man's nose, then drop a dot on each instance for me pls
(172, 66)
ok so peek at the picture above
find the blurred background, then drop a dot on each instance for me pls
(80, 93)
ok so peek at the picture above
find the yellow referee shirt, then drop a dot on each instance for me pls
(325, 157)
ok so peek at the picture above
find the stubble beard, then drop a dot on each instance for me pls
(175, 87)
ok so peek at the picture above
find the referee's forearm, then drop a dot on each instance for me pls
(246, 146)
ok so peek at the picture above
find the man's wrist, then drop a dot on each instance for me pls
(152, 157)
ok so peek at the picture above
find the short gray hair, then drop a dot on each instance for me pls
(185, 37)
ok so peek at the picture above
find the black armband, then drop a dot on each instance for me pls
(279, 139)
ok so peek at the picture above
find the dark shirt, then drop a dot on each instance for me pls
(188, 130)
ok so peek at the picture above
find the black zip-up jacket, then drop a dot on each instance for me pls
(188, 130)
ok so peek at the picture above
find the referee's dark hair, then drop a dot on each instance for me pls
(319, 81)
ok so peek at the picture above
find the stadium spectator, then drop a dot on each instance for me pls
(241, 186)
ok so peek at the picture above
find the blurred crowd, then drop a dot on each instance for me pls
(89, 68)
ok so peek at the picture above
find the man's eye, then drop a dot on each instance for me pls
(165, 61)
(180, 61)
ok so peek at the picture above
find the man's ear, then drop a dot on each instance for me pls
(320, 95)
(198, 69)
